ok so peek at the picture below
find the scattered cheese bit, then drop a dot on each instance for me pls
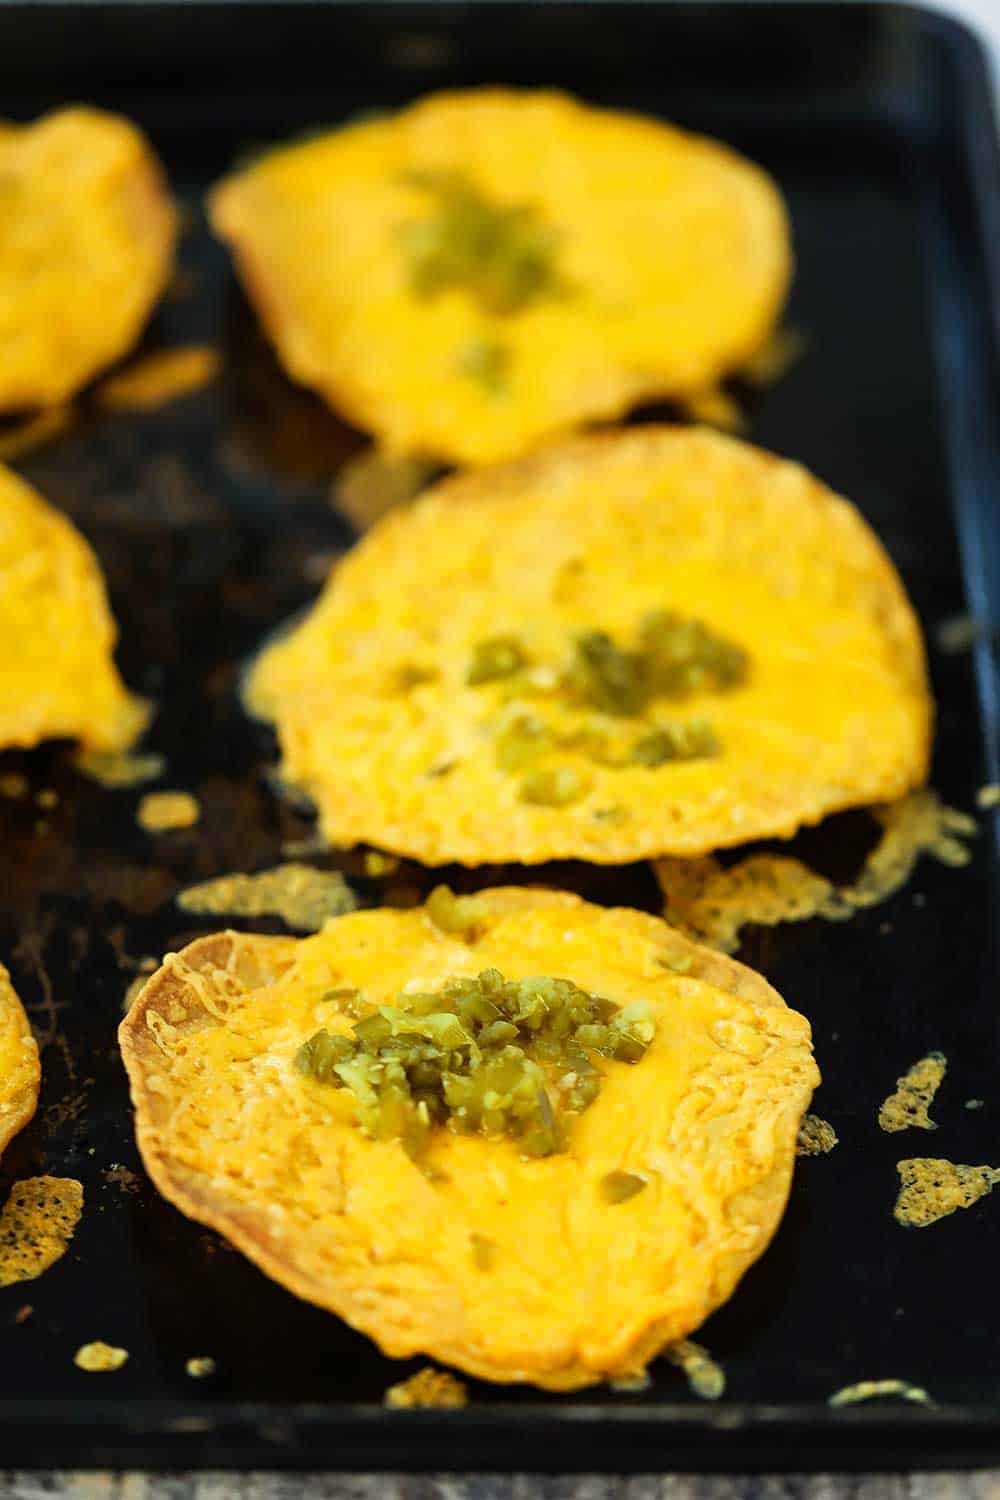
(120, 1176)
(715, 408)
(159, 378)
(200, 1367)
(99, 1356)
(775, 357)
(427, 1388)
(974, 1103)
(869, 1390)
(706, 1378)
(373, 482)
(915, 1091)
(377, 864)
(957, 634)
(13, 785)
(712, 903)
(313, 843)
(118, 769)
(36, 1225)
(159, 812)
(47, 798)
(630, 1385)
(24, 1314)
(303, 897)
(918, 824)
(25, 437)
(932, 1189)
(816, 1137)
(989, 795)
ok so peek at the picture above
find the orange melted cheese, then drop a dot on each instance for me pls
(574, 1289)
(57, 674)
(593, 535)
(87, 233)
(157, 379)
(671, 251)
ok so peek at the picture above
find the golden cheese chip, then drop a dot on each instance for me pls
(20, 1072)
(712, 903)
(872, 1390)
(488, 268)
(300, 895)
(817, 1137)
(931, 1188)
(163, 812)
(908, 1107)
(37, 1224)
(87, 232)
(563, 1268)
(157, 379)
(99, 1357)
(430, 1389)
(57, 674)
(705, 1376)
(658, 640)
(18, 439)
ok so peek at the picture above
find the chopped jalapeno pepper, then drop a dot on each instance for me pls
(484, 1055)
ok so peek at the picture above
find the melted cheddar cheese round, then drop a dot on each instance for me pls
(511, 1268)
(489, 268)
(87, 233)
(430, 703)
(57, 673)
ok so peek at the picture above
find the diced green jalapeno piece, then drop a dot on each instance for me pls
(522, 741)
(461, 916)
(410, 676)
(610, 679)
(319, 1056)
(554, 786)
(685, 655)
(487, 362)
(694, 740)
(619, 1187)
(499, 656)
(502, 255)
(512, 1058)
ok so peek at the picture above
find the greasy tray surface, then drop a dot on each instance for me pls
(211, 521)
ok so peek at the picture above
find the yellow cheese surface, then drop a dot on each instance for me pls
(592, 535)
(87, 232)
(57, 674)
(672, 250)
(576, 1289)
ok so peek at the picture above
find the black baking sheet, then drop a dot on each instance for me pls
(213, 522)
